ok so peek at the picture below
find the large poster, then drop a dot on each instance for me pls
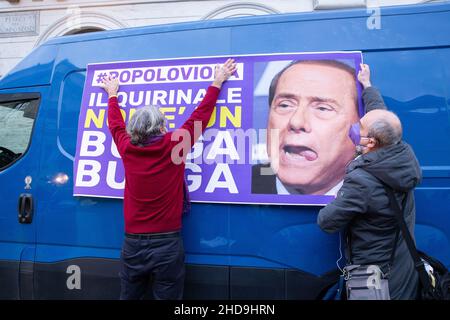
(278, 134)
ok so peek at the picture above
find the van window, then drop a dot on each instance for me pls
(16, 124)
(68, 114)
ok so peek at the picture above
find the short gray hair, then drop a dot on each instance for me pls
(385, 133)
(145, 123)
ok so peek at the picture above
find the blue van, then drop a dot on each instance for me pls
(57, 246)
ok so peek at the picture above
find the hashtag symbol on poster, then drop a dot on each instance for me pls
(100, 77)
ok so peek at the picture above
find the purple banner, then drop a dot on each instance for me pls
(278, 134)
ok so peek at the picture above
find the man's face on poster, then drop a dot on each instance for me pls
(313, 107)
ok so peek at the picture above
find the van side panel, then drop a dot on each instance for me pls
(241, 251)
(244, 241)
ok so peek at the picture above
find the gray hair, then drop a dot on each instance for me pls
(145, 123)
(385, 132)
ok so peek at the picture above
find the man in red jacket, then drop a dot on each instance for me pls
(155, 190)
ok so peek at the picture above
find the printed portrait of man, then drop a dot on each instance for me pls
(311, 105)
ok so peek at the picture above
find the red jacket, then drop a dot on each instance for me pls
(153, 198)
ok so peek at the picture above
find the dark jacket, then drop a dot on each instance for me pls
(362, 209)
(372, 99)
(266, 184)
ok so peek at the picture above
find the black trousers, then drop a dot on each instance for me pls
(159, 258)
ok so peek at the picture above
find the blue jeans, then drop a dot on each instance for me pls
(159, 258)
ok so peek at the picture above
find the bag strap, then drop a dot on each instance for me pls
(418, 263)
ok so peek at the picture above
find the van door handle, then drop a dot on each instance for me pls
(25, 208)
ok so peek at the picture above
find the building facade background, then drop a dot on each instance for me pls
(25, 24)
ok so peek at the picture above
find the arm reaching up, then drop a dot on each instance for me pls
(202, 114)
(371, 96)
(115, 120)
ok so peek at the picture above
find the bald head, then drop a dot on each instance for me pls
(382, 125)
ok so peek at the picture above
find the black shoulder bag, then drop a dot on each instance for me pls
(435, 285)
(367, 282)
